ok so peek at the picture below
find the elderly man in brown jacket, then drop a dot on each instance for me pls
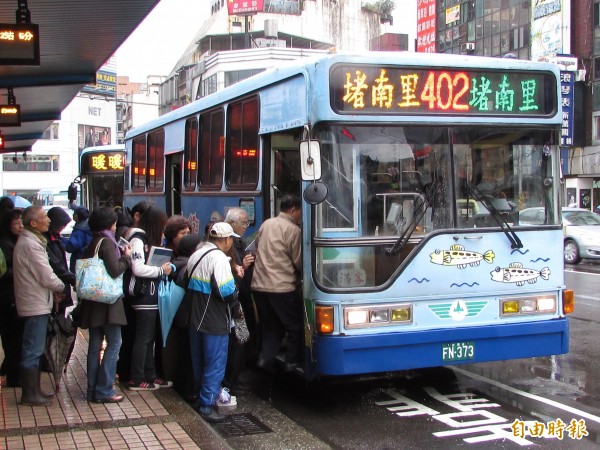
(36, 289)
(277, 274)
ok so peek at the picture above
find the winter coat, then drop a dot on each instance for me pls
(58, 261)
(80, 238)
(278, 264)
(95, 314)
(7, 286)
(213, 291)
(35, 281)
(141, 283)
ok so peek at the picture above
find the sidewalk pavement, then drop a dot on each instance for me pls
(143, 420)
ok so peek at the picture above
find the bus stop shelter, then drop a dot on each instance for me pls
(76, 37)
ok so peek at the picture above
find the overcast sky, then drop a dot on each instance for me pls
(157, 44)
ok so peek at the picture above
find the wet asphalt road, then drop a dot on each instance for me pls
(466, 406)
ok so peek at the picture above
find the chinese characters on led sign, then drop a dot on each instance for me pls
(19, 44)
(105, 162)
(10, 115)
(392, 90)
(245, 153)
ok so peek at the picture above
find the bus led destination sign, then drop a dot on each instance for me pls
(407, 90)
(103, 162)
(19, 44)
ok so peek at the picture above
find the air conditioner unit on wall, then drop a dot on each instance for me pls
(467, 47)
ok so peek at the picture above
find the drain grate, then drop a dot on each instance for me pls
(241, 425)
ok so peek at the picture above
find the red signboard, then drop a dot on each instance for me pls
(240, 7)
(426, 18)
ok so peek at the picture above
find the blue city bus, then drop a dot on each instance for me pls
(101, 176)
(414, 170)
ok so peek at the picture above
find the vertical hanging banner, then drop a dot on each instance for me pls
(568, 66)
(426, 20)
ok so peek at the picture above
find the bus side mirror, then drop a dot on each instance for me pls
(310, 160)
(72, 192)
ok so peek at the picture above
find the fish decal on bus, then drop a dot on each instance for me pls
(461, 258)
(516, 273)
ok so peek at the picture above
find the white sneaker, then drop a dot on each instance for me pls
(225, 398)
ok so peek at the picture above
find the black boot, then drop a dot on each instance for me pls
(39, 386)
(29, 388)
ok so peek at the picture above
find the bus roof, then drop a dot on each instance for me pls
(103, 148)
(324, 62)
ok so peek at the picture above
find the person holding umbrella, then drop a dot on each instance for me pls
(59, 353)
(104, 321)
(36, 289)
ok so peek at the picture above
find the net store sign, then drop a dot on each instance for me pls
(19, 44)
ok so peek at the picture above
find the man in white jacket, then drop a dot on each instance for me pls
(36, 289)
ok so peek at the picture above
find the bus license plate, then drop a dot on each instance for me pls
(458, 351)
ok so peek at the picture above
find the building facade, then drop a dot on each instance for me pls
(231, 47)
(563, 31)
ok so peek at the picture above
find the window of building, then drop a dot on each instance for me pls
(190, 154)
(597, 68)
(138, 171)
(32, 163)
(597, 14)
(212, 150)
(243, 155)
(239, 75)
(208, 86)
(597, 128)
(156, 157)
(51, 132)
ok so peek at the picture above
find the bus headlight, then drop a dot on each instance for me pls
(544, 304)
(357, 317)
(377, 315)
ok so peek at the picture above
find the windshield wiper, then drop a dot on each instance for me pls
(515, 242)
(419, 213)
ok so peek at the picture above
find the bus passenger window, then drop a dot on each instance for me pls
(190, 154)
(242, 140)
(212, 146)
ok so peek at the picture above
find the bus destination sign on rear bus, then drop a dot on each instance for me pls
(103, 162)
(407, 90)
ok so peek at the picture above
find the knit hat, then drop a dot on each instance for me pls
(222, 230)
(58, 217)
(82, 213)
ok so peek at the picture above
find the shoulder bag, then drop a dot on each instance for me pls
(94, 283)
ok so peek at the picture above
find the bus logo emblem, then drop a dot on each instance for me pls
(458, 309)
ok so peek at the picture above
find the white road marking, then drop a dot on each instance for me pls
(528, 395)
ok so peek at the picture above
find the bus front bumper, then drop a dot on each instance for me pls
(385, 352)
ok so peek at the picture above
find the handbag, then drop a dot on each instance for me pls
(241, 334)
(94, 283)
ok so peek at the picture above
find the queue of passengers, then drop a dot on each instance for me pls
(223, 280)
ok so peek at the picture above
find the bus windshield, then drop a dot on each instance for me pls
(390, 181)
